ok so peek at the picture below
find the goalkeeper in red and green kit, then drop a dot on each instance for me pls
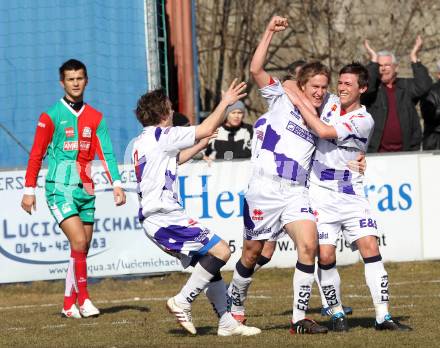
(69, 134)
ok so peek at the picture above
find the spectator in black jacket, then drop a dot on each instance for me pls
(430, 107)
(234, 137)
(391, 101)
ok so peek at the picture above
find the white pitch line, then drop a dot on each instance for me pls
(135, 299)
(59, 326)
(89, 324)
(62, 326)
(15, 329)
(391, 296)
(166, 319)
(159, 299)
(371, 309)
(399, 283)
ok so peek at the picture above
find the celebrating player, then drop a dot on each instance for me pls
(270, 245)
(156, 154)
(69, 134)
(337, 194)
(277, 197)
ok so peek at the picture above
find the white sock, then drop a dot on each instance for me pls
(216, 294)
(302, 289)
(70, 279)
(317, 281)
(377, 280)
(238, 291)
(198, 280)
(331, 288)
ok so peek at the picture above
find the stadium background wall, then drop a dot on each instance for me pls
(117, 40)
(403, 191)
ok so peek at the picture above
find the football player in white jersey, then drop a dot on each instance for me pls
(269, 246)
(337, 193)
(157, 151)
(277, 196)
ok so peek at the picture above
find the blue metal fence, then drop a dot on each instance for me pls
(37, 36)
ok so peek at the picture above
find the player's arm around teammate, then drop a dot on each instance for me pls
(350, 133)
(291, 209)
(187, 154)
(349, 91)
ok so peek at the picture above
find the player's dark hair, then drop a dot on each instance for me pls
(72, 64)
(291, 70)
(310, 70)
(356, 69)
(152, 107)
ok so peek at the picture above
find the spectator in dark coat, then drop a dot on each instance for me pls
(392, 100)
(430, 107)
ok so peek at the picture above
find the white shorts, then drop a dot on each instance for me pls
(340, 212)
(179, 235)
(269, 205)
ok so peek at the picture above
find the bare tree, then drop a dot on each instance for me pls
(331, 31)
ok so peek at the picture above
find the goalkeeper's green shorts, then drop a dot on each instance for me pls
(67, 200)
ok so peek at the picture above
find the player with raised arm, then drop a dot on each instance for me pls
(70, 133)
(156, 154)
(270, 245)
(337, 193)
(277, 196)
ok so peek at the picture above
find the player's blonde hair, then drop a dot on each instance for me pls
(312, 69)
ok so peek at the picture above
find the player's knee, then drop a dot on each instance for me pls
(251, 252)
(249, 259)
(326, 258)
(268, 250)
(307, 249)
(221, 250)
(368, 246)
(227, 253)
(253, 247)
(79, 244)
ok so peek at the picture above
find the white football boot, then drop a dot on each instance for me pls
(182, 315)
(88, 310)
(72, 312)
(239, 330)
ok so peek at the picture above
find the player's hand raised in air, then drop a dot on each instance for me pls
(278, 23)
(372, 53)
(234, 92)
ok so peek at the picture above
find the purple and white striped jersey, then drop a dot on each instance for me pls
(155, 159)
(257, 139)
(329, 166)
(287, 144)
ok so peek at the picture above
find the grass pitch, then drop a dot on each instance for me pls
(133, 312)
